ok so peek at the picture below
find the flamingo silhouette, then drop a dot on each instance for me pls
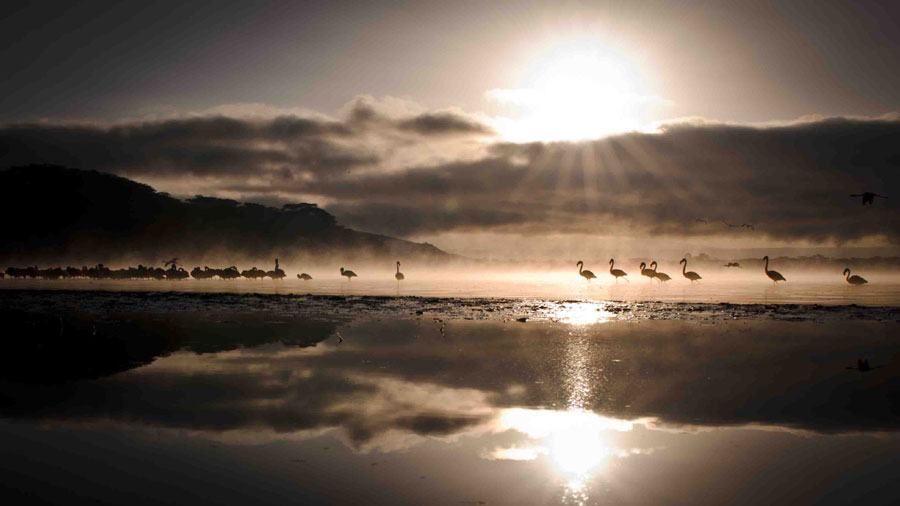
(868, 197)
(350, 274)
(586, 274)
(304, 276)
(775, 276)
(399, 275)
(618, 273)
(661, 276)
(650, 273)
(854, 279)
(173, 262)
(693, 276)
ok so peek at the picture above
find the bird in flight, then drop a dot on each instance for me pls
(747, 225)
(173, 262)
(868, 197)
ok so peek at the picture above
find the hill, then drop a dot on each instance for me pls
(56, 215)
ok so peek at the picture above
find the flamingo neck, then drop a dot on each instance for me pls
(766, 268)
(684, 268)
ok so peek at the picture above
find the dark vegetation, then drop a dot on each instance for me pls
(54, 214)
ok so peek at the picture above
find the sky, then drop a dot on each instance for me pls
(481, 126)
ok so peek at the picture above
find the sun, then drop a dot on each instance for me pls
(577, 90)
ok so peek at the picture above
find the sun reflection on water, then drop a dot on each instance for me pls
(579, 313)
(575, 441)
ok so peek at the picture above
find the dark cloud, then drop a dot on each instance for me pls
(443, 123)
(789, 182)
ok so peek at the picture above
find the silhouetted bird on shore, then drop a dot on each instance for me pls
(618, 273)
(304, 276)
(854, 279)
(586, 274)
(399, 275)
(773, 275)
(868, 197)
(348, 273)
(691, 275)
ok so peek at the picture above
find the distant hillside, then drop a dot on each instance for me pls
(54, 215)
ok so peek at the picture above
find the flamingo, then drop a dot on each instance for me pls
(650, 273)
(693, 276)
(399, 276)
(854, 279)
(348, 273)
(775, 276)
(618, 273)
(304, 276)
(661, 276)
(588, 275)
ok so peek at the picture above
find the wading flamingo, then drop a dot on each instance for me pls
(773, 275)
(661, 276)
(348, 273)
(399, 276)
(586, 274)
(693, 276)
(618, 273)
(650, 273)
(304, 276)
(854, 279)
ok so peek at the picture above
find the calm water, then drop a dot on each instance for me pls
(143, 398)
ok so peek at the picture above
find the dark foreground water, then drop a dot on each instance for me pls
(149, 398)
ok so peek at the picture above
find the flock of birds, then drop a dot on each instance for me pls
(174, 270)
(652, 272)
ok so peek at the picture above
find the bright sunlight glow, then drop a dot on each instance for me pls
(577, 90)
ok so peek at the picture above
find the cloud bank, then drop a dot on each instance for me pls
(392, 167)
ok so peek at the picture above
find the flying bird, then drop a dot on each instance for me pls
(729, 225)
(350, 274)
(854, 279)
(693, 276)
(747, 225)
(173, 262)
(586, 274)
(773, 275)
(618, 273)
(733, 264)
(868, 197)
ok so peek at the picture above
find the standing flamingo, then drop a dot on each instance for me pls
(586, 274)
(693, 276)
(348, 273)
(854, 279)
(399, 276)
(775, 276)
(304, 276)
(650, 273)
(618, 273)
(661, 276)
